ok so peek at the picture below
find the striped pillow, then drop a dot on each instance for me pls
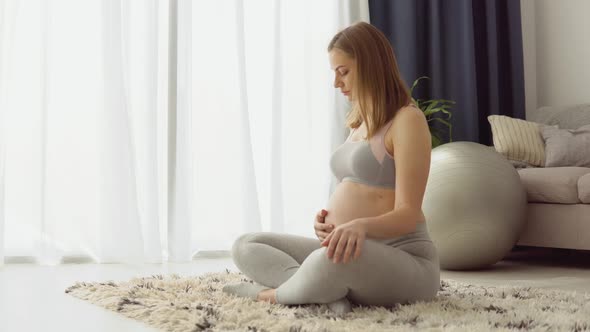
(518, 139)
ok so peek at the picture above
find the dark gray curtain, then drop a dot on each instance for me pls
(471, 50)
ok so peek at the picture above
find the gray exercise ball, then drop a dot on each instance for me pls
(475, 205)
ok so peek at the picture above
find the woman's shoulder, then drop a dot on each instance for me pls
(411, 108)
(408, 113)
(408, 117)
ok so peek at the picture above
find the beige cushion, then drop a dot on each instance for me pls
(584, 189)
(514, 163)
(518, 139)
(553, 184)
(567, 147)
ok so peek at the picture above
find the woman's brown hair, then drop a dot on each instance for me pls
(378, 87)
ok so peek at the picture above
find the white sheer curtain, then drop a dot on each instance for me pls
(6, 24)
(83, 124)
(260, 117)
(79, 102)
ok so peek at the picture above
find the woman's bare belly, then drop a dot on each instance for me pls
(352, 200)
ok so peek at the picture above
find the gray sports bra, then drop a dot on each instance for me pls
(365, 161)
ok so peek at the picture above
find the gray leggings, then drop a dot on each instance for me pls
(398, 270)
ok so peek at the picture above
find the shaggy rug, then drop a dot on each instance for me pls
(175, 303)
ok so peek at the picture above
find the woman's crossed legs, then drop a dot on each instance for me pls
(301, 272)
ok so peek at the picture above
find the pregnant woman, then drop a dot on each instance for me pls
(373, 246)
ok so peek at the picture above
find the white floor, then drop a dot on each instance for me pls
(32, 297)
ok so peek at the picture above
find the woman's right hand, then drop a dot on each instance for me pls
(321, 228)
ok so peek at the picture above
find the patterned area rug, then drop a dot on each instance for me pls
(175, 303)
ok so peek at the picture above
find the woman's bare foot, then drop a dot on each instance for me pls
(267, 295)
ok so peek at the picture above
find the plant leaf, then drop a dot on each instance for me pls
(416, 83)
(432, 111)
(446, 112)
(435, 141)
(431, 105)
(446, 101)
(447, 123)
(430, 108)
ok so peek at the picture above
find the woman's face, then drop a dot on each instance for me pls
(344, 71)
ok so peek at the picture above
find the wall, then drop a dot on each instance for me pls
(556, 42)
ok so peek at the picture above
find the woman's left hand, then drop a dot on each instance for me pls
(344, 239)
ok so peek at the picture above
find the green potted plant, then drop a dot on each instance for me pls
(433, 107)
